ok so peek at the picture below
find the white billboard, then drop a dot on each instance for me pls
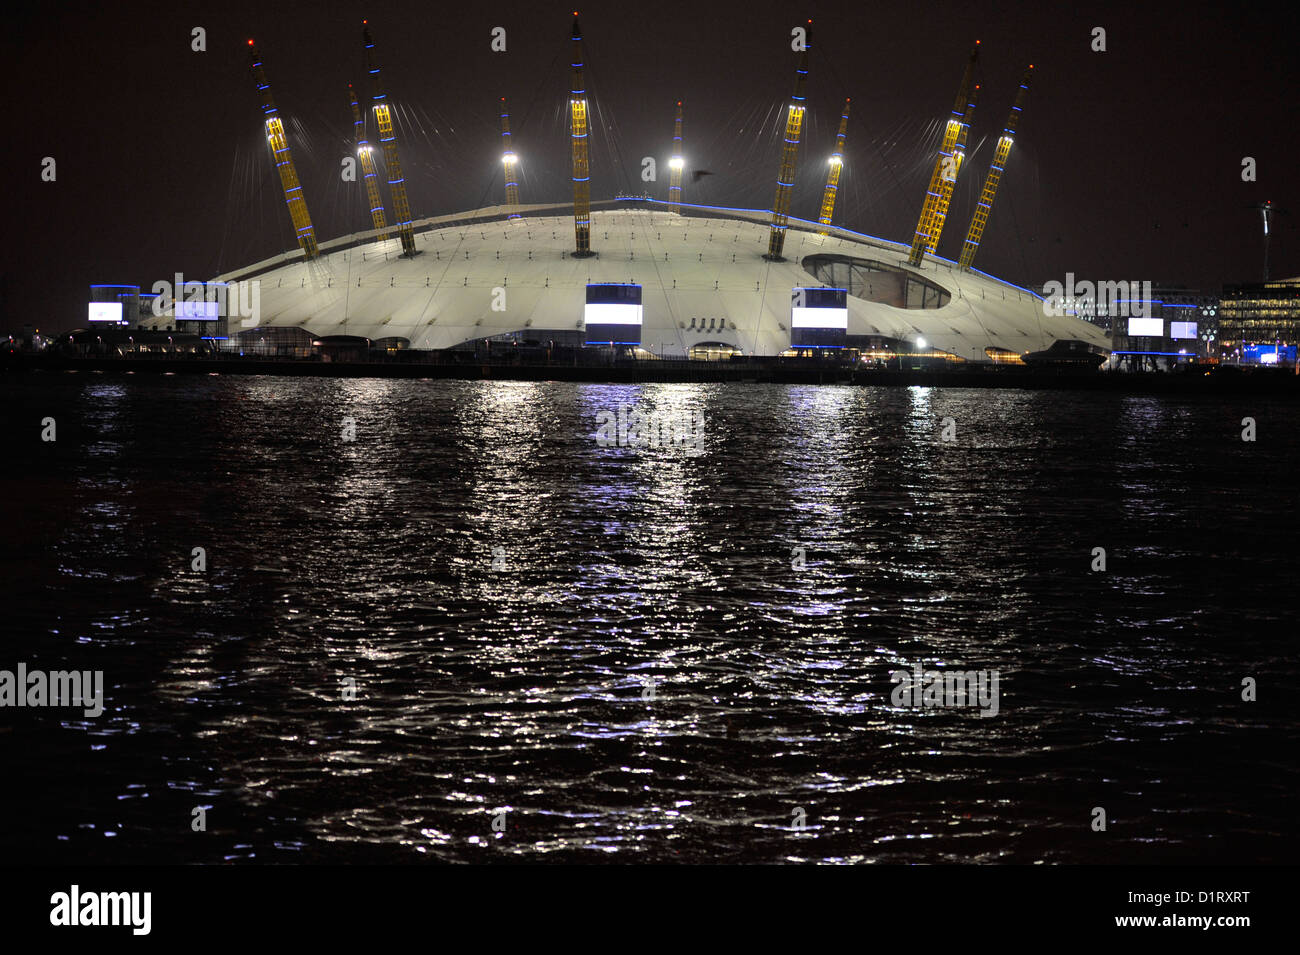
(819, 318)
(106, 312)
(607, 313)
(1154, 327)
(613, 314)
(1182, 329)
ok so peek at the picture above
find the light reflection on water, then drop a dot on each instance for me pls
(522, 684)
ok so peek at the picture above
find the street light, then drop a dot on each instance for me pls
(920, 349)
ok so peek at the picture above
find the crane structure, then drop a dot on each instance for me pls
(283, 157)
(675, 165)
(980, 219)
(581, 167)
(388, 139)
(951, 152)
(508, 162)
(833, 173)
(789, 154)
(1266, 210)
(366, 153)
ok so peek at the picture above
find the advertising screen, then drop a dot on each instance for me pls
(1154, 327)
(1269, 354)
(106, 312)
(613, 315)
(1182, 329)
(819, 317)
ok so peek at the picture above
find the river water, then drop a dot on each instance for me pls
(476, 631)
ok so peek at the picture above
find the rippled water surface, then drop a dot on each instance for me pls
(642, 674)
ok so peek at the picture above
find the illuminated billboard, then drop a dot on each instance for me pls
(819, 317)
(198, 311)
(1269, 354)
(1153, 327)
(613, 314)
(1182, 329)
(106, 312)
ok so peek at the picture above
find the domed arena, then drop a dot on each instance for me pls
(636, 275)
(706, 286)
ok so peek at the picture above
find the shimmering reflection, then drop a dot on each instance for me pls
(641, 653)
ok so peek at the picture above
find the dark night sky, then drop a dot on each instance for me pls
(1127, 164)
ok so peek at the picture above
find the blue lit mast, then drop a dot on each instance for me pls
(790, 154)
(366, 153)
(675, 165)
(980, 219)
(581, 168)
(946, 166)
(508, 163)
(835, 165)
(388, 139)
(283, 158)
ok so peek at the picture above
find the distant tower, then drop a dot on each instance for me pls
(675, 165)
(366, 153)
(946, 166)
(982, 209)
(1266, 210)
(388, 139)
(789, 155)
(293, 197)
(833, 174)
(508, 162)
(581, 169)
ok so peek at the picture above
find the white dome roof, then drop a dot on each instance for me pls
(701, 266)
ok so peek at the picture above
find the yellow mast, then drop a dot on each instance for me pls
(675, 165)
(581, 168)
(833, 173)
(508, 161)
(789, 154)
(935, 207)
(388, 139)
(982, 209)
(293, 197)
(366, 153)
(949, 182)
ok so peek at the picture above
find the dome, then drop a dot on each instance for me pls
(704, 281)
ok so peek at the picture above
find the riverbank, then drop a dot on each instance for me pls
(1221, 380)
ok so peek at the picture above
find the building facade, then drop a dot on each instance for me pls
(1260, 323)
